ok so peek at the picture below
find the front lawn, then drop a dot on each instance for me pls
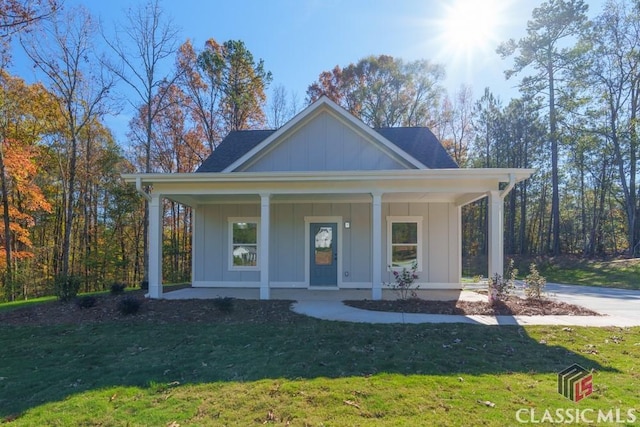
(573, 270)
(218, 369)
(622, 273)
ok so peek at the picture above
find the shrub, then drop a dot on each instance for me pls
(501, 287)
(534, 283)
(144, 285)
(225, 304)
(129, 305)
(66, 287)
(404, 281)
(86, 301)
(117, 288)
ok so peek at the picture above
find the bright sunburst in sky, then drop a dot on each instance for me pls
(470, 30)
(300, 39)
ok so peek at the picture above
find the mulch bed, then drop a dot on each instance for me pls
(513, 306)
(253, 311)
(157, 311)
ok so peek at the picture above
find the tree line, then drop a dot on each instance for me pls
(66, 212)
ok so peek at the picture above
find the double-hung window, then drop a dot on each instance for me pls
(404, 237)
(243, 243)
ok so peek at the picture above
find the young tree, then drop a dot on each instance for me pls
(63, 50)
(544, 50)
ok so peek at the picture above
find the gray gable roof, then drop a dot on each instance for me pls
(418, 142)
(421, 144)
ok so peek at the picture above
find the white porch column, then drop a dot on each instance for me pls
(496, 234)
(155, 246)
(265, 225)
(376, 243)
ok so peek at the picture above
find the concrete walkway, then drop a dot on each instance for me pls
(619, 307)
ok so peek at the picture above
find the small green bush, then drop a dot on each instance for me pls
(86, 301)
(118, 288)
(534, 283)
(66, 287)
(129, 305)
(225, 304)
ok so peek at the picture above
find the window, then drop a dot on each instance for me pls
(404, 236)
(243, 239)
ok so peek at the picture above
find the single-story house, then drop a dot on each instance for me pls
(326, 202)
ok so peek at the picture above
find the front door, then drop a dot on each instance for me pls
(324, 256)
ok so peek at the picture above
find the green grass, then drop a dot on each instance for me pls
(306, 372)
(14, 305)
(617, 273)
(624, 273)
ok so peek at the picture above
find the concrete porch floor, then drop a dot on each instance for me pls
(296, 294)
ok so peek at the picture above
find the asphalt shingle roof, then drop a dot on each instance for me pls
(418, 142)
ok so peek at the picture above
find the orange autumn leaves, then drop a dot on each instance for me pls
(27, 112)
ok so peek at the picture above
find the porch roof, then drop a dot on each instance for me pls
(459, 186)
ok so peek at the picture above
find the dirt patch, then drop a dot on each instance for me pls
(512, 306)
(158, 311)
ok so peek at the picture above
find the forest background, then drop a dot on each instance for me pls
(67, 215)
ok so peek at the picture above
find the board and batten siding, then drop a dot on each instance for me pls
(440, 234)
(441, 241)
(324, 144)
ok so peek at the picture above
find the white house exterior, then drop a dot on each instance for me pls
(326, 202)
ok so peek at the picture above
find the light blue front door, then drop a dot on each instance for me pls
(324, 255)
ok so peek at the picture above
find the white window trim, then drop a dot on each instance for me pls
(394, 219)
(230, 222)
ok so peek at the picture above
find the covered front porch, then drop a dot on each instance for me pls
(376, 193)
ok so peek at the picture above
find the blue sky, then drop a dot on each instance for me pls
(298, 39)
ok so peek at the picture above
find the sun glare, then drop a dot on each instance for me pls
(470, 27)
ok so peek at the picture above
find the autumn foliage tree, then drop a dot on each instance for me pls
(383, 91)
(26, 113)
(226, 85)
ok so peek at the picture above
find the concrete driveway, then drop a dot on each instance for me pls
(610, 301)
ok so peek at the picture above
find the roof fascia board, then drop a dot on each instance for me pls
(494, 174)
